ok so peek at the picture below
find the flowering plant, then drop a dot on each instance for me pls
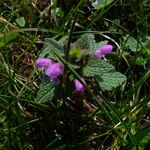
(86, 62)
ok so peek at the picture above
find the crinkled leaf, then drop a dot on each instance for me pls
(46, 90)
(21, 21)
(100, 44)
(105, 73)
(132, 43)
(96, 66)
(49, 45)
(110, 80)
(87, 42)
(146, 44)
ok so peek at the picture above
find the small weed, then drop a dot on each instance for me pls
(74, 76)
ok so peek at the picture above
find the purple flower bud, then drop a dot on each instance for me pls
(53, 71)
(79, 87)
(43, 62)
(104, 50)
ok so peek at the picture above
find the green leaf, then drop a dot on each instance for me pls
(139, 60)
(75, 53)
(7, 38)
(98, 4)
(146, 43)
(105, 73)
(49, 45)
(100, 44)
(110, 80)
(46, 90)
(58, 12)
(96, 66)
(21, 21)
(142, 138)
(87, 42)
(131, 43)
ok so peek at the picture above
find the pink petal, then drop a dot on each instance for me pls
(104, 50)
(54, 70)
(43, 62)
(79, 87)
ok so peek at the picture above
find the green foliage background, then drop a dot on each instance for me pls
(29, 120)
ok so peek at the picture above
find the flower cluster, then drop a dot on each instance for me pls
(102, 51)
(54, 70)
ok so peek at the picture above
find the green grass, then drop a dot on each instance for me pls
(120, 119)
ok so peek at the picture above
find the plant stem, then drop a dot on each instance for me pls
(70, 36)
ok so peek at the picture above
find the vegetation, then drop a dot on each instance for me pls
(80, 97)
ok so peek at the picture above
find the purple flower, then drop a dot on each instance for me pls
(53, 71)
(43, 62)
(104, 50)
(79, 87)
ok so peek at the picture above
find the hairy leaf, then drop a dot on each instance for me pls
(21, 21)
(96, 66)
(110, 80)
(87, 42)
(105, 73)
(131, 43)
(46, 90)
(51, 44)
